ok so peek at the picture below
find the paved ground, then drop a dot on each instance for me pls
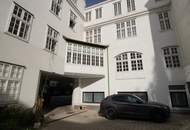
(91, 121)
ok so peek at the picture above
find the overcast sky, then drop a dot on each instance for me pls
(91, 2)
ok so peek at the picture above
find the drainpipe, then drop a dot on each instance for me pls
(108, 72)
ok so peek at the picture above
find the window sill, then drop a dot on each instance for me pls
(168, 30)
(55, 14)
(53, 53)
(176, 68)
(84, 65)
(135, 36)
(7, 33)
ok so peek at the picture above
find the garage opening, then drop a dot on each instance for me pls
(55, 90)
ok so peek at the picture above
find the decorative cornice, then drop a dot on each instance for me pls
(131, 16)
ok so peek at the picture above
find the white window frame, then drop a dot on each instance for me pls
(121, 33)
(12, 76)
(131, 5)
(171, 57)
(56, 6)
(98, 13)
(94, 35)
(129, 61)
(131, 28)
(117, 8)
(164, 19)
(88, 16)
(20, 23)
(52, 40)
(84, 55)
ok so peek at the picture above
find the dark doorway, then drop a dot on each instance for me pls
(56, 90)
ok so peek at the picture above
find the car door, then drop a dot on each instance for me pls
(135, 107)
(123, 105)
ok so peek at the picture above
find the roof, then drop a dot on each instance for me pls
(84, 43)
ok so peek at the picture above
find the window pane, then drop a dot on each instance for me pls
(179, 99)
(87, 97)
(98, 97)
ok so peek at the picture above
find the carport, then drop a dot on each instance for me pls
(56, 90)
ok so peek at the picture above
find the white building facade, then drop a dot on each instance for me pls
(116, 46)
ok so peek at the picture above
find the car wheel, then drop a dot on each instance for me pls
(110, 113)
(158, 116)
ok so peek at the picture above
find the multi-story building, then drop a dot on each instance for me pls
(87, 53)
(181, 12)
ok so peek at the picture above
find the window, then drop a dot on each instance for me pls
(131, 28)
(93, 97)
(20, 23)
(89, 36)
(97, 35)
(120, 30)
(73, 18)
(127, 99)
(74, 61)
(164, 21)
(10, 82)
(117, 8)
(88, 16)
(178, 95)
(98, 13)
(129, 61)
(79, 54)
(97, 57)
(101, 57)
(130, 5)
(69, 52)
(93, 35)
(171, 56)
(52, 39)
(86, 55)
(56, 6)
(142, 95)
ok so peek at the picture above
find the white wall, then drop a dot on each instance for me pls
(154, 78)
(181, 11)
(32, 54)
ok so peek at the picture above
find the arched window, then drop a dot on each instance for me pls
(129, 61)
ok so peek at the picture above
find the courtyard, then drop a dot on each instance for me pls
(90, 120)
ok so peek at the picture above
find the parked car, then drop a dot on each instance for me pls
(134, 107)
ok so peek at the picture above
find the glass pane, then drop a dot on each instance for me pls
(6, 70)
(1, 69)
(179, 99)
(19, 73)
(87, 97)
(98, 97)
(2, 86)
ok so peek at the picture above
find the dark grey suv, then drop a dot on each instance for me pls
(134, 107)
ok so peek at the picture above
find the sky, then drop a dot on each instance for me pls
(92, 2)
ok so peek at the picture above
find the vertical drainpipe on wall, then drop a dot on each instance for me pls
(108, 72)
